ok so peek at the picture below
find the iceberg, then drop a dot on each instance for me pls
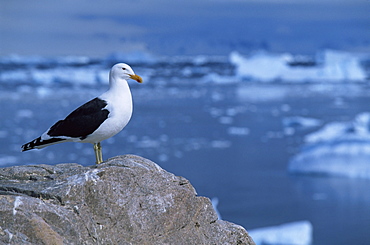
(295, 233)
(202, 69)
(338, 149)
(330, 65)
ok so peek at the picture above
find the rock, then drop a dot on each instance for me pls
(126, 200)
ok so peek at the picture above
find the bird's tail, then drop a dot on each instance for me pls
(39, 143)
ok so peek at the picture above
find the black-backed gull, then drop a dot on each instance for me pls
(96, 120)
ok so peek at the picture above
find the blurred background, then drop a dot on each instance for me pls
(262, 105)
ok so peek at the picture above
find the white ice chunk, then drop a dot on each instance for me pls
(338, 149)
(330, 66)
(301, 122)
(241, 131)
(295, 233)
(215, 202)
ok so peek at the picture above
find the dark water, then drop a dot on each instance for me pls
(227, 139)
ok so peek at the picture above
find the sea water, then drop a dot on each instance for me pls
(233, 132)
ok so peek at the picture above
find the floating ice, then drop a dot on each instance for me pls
(338, 149)
(215, 202)
(291, 124)
(262, 66)
(241, 131)
(330, 66)
(295, 233)
(219, 79)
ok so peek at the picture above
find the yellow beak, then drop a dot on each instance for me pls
(136, 78)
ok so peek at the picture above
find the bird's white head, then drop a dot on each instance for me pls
(124, 71)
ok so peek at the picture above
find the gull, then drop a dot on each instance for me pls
(97, 119)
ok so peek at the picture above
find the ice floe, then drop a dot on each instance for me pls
(338, 149)
(295, 233)
(329, 65)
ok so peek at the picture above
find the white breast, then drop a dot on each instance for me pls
(119, 105)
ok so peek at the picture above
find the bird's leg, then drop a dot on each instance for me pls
(96, 150)
(98, 153)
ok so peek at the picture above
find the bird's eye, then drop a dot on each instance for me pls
(123, 68)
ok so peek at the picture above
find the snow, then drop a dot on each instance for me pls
(17, 203)
(295, 233)
(338, 149)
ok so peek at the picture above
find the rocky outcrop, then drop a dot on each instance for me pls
(126, 200)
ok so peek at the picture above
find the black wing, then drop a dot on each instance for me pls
(83, 121)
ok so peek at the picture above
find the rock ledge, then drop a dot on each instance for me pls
(125, 200)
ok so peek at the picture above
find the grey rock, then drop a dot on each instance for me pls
(125, 200)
